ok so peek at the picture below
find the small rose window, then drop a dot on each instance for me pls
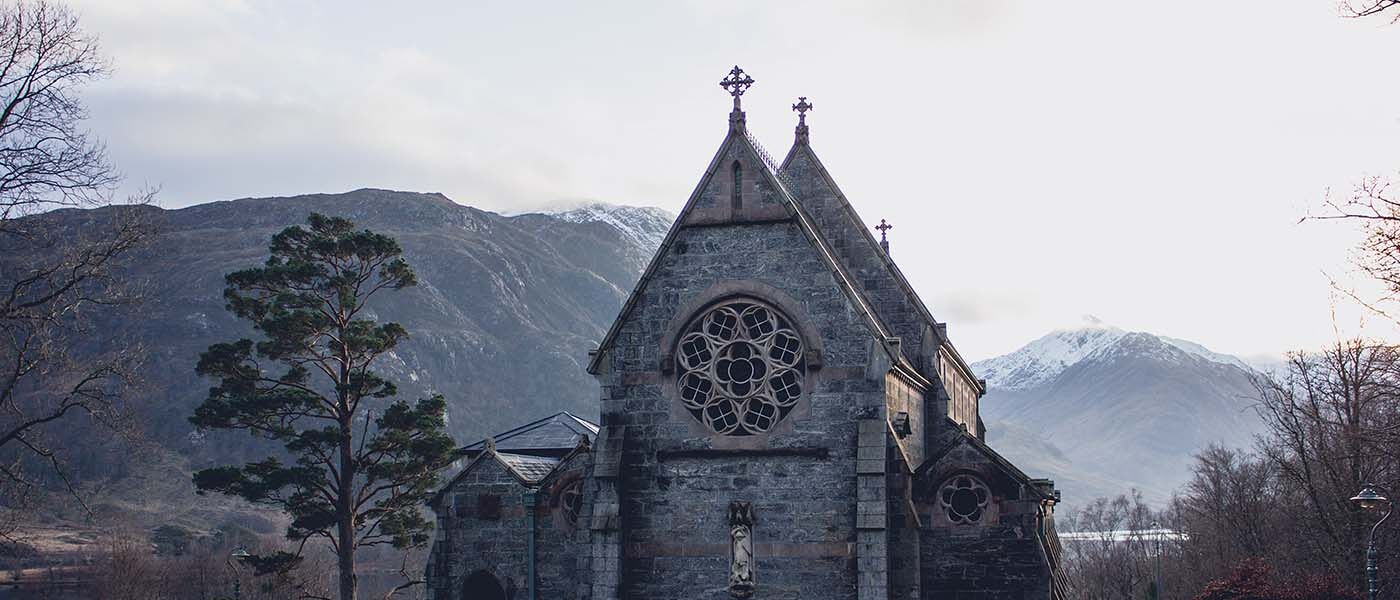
(571, 502)
(741, 367)
(964, 498)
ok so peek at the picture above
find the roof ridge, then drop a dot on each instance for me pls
(886, 260)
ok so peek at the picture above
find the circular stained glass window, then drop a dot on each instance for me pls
(964, 499)
(741, 367)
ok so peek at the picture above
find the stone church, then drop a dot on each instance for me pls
(781, 417)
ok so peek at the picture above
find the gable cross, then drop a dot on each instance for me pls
(884, 227)
(802, 107)
(736, 84)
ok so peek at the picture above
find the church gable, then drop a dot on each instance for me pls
(741, 188)
(735, 189)
(974, 504)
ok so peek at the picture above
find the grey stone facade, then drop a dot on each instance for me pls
(875, 483)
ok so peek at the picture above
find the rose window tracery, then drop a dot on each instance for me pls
(964, 498)
(741, 367)
(571, 502)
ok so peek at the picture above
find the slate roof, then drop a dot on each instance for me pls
(554, 435)
(532, 469)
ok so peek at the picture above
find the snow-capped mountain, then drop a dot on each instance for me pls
(1044, 359)
(644, 226)
(1117, 409)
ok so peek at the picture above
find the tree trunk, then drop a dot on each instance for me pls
(345, 517)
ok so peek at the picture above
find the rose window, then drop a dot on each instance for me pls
(741, 368)
(964, 498)
(571, 502)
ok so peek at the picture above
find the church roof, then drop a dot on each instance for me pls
(738, 136)
(530, 453)
(819, 176)
(554, 435)
(531, 469)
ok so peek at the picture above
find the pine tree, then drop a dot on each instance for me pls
(358, 475)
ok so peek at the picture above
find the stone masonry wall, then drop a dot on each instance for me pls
(559, 543)
(1001, 558)
(471, 539)
(676, 479)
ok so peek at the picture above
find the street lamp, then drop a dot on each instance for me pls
(234, 559)
(1370, 499)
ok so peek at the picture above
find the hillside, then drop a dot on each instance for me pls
(500, 323)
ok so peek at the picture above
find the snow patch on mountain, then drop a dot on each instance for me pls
(1042, 360)
(645, 225)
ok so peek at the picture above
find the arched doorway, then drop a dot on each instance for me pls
(482, 586)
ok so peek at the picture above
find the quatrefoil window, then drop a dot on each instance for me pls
(741, 367)
(964, 498)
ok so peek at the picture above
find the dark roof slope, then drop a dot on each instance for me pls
(554, 435)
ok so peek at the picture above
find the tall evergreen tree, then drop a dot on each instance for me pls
(358, 475)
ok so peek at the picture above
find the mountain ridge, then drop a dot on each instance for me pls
(1101, 409)
(501, 321)
(1044, 358)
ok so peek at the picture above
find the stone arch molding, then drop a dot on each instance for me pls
(739, 357)
(811, 339)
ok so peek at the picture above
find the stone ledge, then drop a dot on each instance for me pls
(805, 452)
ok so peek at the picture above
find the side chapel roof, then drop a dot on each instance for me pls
(554, 435)
(531, 452)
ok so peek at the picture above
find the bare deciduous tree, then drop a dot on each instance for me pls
(1110, 555)
(1334, 424)
(1366, 8)
(58, 270)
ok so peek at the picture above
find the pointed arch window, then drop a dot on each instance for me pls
(736, 197)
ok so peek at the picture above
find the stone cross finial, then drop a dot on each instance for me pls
(802, 107)
(884, 241)
(736, 84)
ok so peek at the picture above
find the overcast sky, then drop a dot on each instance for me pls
(1145, 163)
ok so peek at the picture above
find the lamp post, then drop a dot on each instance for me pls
(1369, 498)
(234, 559)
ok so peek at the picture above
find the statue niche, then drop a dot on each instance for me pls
(740, 549)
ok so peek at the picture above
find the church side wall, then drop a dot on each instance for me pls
(677, 479)
(561, 539)
(904, 397)
(999, 557)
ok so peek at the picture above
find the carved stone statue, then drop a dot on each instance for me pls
(740, 549)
